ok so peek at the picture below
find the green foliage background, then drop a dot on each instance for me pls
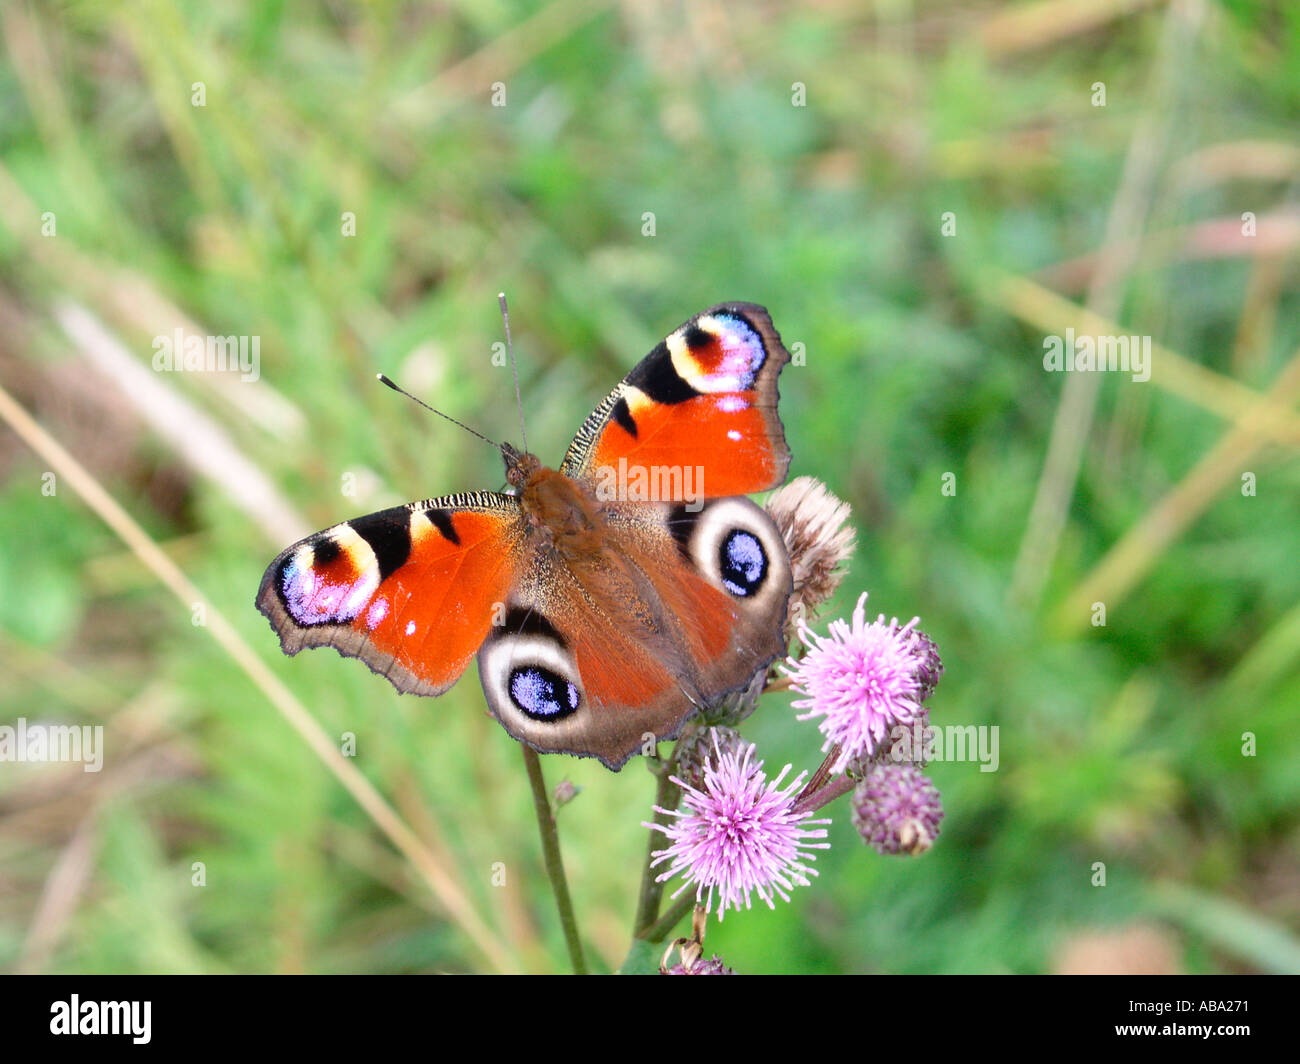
(1120, 744)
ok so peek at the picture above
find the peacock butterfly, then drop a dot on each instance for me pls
(606, 600)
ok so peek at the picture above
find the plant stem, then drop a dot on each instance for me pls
(810, 803)
(647, 906)
(819, 777)
(554, 862)
(660, 929)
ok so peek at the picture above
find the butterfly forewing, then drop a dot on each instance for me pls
(410, 591)
(702, 402)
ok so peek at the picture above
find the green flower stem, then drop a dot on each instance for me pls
(554, 862)
(666, 796)
(662, 928)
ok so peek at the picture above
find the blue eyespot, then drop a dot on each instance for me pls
(542, 694)
(743, 563)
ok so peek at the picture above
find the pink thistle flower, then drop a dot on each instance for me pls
(862, 681)
(739, 835)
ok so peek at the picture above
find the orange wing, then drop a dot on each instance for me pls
(702, 405)
(411, 591)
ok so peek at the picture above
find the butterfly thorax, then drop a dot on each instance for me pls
(564, 513)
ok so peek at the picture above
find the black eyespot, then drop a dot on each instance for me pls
(323, 552)
(743, 563)
(697, 338)
(542, 694)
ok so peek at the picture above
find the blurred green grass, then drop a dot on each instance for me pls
(1118, 744)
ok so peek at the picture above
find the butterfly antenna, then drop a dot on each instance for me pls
(505, 316)
(403, 391)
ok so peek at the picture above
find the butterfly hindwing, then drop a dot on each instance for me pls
(703, 400)
(682, 608)
(411, 591)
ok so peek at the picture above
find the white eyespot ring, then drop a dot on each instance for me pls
(735, 545)
(530, 678)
